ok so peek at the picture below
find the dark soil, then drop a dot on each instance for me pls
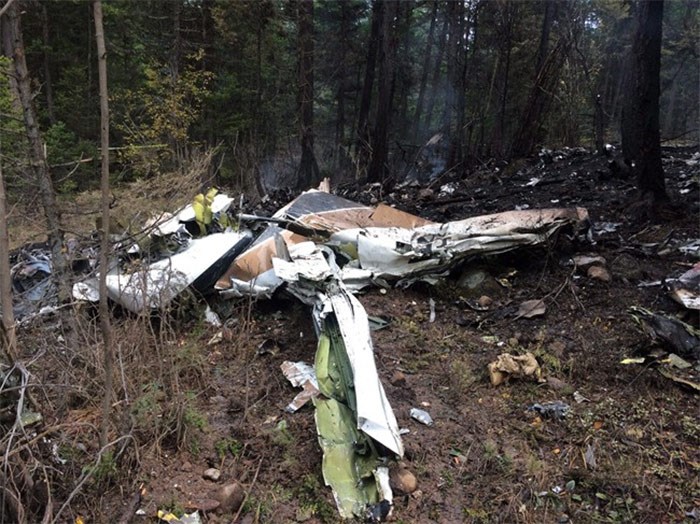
(629, 452)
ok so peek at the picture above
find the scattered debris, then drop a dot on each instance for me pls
(319, 248)
(507, 365)
(421, 416)
(585, 261)
(589, 456)
(674, 344)
(187, 518)
(686, 289)
(579, 398)
(671, 333)
(300, 374)
(556, 410)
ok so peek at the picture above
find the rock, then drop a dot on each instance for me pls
(206, 505)
(585, 261)
(212, 474)
(556, 384)
(485, 301)
(230, 497)
(425, 193)
(599, 273)
(398, 378)
(403, 481)
(186, 467)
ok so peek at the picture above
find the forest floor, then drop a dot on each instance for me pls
(627, 451)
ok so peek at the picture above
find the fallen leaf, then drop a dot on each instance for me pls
(530, 309)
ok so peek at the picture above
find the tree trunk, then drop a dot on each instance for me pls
(48, 85)
(437, 70)
(507, 19)
(308, 173)
(457, 75)
(342, 84)
(363, 134)
(380, 146)
(9, 337)
(547, 19)
(424, 75)
(39, 166)
(547, 71)
(641, 143)
(105, 326)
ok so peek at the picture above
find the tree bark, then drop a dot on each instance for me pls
(547, 71)
(48, 84)
(457, 71)
(105, 326)
(308, 173)
(15, 51)
(9, 338)
(387, 57)
(641, 142)
(507, 21)
(363, 134)
(426, 69)
(342, 83)
(437, 71)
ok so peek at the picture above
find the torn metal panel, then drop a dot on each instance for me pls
(300, 374)
(677, 336)
(374, 414)
(248, 269)
(32, 286)
(159, 283)
(315, 211)
(348, 461)
(686, 289)
(352, 465)
(403, 252)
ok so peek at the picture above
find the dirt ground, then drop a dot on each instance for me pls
(627, 451)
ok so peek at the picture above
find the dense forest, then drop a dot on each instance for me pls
(288, 92)
(497, 280)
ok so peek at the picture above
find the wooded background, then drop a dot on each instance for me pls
(289, 91)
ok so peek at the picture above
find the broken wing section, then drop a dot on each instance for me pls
(157, 284)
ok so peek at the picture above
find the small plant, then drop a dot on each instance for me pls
(228, 445)
(461, 376)
(280, 434)
(104, 471)
(312, 501)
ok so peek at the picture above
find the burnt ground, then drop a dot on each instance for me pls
(629, 452)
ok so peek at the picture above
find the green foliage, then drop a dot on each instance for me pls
(104, 471)
(156, 117)
(228, 445)
(65, 151)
